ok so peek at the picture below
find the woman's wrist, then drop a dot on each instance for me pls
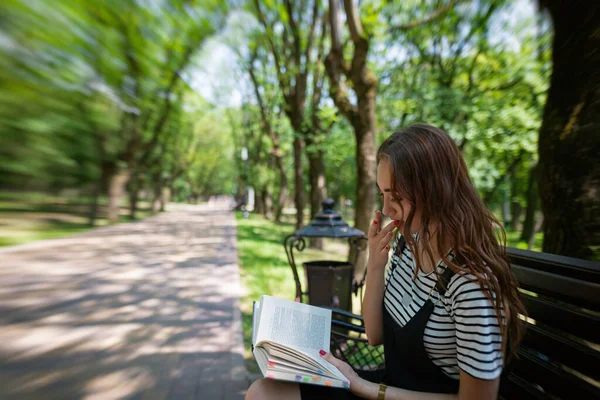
(374, 267)
(367, 390)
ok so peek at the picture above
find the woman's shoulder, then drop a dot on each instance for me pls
(465, 285)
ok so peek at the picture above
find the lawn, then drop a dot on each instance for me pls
(28, 217)
(512, 240)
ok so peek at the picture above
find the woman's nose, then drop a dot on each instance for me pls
(387, 210)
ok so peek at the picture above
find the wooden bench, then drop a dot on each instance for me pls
(559, 357)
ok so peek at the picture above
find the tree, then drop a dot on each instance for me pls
(361, 116)
(569, 142)
(260, 86)
(485, 92)
(155, 45)
(297, 56)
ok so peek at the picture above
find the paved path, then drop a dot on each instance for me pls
(146, 310)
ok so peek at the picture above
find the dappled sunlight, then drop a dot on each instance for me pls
(119, 384)
(127, 310)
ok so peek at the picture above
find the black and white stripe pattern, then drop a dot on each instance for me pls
(462, 332)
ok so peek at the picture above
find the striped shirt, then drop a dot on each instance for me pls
(462, 332)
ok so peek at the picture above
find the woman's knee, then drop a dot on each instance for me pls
(265, 389)
(254, 391)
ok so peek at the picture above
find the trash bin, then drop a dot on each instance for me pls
(329, 283)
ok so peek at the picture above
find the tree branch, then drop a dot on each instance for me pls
(334, 64)
(166, 110)
(431, 17)
(334, 22)
(474, 28)
(295, 33)
(318, 75)
(311, 34)
(259, 99)
(353, 20)
(283, 81)
(504, 86)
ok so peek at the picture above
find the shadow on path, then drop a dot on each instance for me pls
(146, 310)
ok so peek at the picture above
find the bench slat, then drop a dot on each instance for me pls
(554, 380)
(584, 270)
(564, 318)
(563, 288)
(514, 388)
(565, 351)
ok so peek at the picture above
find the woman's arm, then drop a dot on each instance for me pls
(471, 388)
(372, 305)
(379, 237)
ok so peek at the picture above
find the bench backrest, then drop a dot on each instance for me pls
(560, 355)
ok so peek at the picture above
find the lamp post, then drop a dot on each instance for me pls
(245, 160)
(329, 283)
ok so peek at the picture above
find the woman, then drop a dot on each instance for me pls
(446, 310)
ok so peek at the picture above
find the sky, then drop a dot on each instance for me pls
(218, 79)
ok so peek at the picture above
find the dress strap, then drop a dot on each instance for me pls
(442, 284)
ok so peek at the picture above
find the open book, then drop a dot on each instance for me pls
(286, 339)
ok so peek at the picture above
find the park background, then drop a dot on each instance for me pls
(110, 111)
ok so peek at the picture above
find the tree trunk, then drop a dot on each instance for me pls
(282, 194)
(133, 202)
(299, 198)
(268, 199)
(361, 116)
(536, 229)
(532, 199)
(133, 187)
(260, 203)
(506, 203)
(569, 142)
(165, 197)
(94, 205)
(367, 170)
(318, 188)
(156, 197)
(515, 214)
(116, 189)
(515, 206)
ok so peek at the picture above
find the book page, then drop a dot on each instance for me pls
(255, 320)
(301, 328)
(307, 379)
(297, 325)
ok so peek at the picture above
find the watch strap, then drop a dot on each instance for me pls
(382, 389)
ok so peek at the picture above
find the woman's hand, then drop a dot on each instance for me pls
(357, 384)
(379, 238)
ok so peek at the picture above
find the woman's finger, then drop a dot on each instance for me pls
(389, 227)
(375, 226)
(385, 240)
(329, 357)
(386, 249)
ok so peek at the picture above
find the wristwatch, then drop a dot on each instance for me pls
(382, 389)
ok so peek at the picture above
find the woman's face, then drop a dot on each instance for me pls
(396, 209)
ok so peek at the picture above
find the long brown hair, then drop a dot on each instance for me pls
(429, 172)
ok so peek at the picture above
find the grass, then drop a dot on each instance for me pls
(264, 267)
(31, 216)
(512, 240)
